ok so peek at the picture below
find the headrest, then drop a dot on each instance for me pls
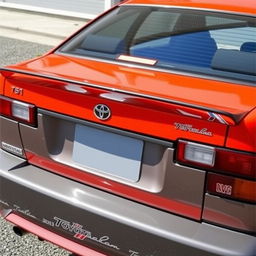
(104, 44)
(248, 47)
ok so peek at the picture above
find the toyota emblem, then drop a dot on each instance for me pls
(102, 112)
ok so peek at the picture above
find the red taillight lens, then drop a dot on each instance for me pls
(5, 106)
(234, 188)
(217, 159)
(234, 162)
(17, 110)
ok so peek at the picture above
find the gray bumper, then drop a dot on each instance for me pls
(111, 224)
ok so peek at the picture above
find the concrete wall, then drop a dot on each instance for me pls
(75, 8)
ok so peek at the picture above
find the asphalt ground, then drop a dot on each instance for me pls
(11, 52)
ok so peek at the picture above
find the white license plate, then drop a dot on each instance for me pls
(108, 153)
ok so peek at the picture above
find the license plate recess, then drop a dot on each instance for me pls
(108, 153)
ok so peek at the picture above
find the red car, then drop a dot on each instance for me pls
(136, 136)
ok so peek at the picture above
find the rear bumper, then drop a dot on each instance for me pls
(103, 222)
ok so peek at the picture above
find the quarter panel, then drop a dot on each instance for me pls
(10, 136)
(243, 136)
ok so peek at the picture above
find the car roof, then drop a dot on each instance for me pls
(237, 6)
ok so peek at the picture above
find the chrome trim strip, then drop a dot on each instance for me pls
(235, 118)
(107, 128)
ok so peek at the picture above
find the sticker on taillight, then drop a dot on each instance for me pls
(231, 187)
(223, 189)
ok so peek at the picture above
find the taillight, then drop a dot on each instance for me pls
(217, 159)
(17, 110)
(196, 154)
(230, 187)
(240, 167)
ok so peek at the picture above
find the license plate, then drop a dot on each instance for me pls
(108, 153)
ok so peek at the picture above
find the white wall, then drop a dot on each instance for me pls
(75, 8)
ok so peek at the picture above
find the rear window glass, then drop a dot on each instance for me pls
(174, 39)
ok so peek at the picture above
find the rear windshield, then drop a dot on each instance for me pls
(174, 39)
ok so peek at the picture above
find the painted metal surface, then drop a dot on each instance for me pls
(10, 136)
(156, 185)
(247, 6)
(223, 96)
(238, 138)
(229, 213)
(155, 118)
(95, 214)
(1, 84)
(164, 208)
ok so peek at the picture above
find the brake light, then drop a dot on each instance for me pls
(220, 160)
(17, 110)
(230, 187)
(217, 159)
